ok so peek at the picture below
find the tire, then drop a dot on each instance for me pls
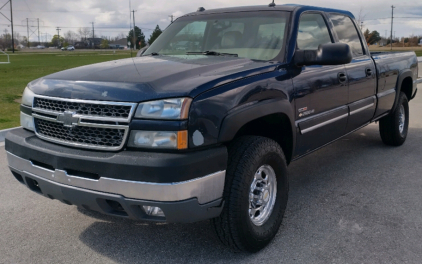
(393, 129)
(234, 227)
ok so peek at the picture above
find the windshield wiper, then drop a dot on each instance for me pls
(152, 54)
(210, 53)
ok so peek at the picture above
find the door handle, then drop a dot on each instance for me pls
(342, 78)
(368, 72)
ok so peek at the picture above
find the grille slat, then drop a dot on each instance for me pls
(87, 109)
(87, 136)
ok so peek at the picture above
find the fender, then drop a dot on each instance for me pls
(402, 76)
(236, 119)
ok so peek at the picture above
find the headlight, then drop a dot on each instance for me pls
(173, 109)
(28, 97)
(27, 122)
(162, 139)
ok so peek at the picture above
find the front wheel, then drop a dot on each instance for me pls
(394, 127)
(255, 194)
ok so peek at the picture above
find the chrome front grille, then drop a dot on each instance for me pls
(82, 108)
(86, 135)
(81, 123)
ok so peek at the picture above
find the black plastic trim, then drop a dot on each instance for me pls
(125, 165)
(26, 109)
(158, 125)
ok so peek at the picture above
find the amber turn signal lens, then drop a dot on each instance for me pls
(182, 139)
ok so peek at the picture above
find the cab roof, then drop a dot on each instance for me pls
(286, 7)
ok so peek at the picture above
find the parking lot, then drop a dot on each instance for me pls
(355, 201)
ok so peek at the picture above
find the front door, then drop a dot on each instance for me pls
(321, 91)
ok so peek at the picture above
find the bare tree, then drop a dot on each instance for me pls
(119, 37)
(84, 32)
(361, 17)
(70, 37)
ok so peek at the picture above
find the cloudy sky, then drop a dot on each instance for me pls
(111, 17)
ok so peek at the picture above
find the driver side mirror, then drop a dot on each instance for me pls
(326, 54)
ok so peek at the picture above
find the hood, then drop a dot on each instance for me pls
(148, 78)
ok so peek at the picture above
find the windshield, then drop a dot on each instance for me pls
(253, 35)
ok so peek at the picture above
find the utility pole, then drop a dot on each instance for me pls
(11, 22)
(38, 21)
(58, 36)
(27, 29)
(392, 17)
(172, 17)
(93, 35)
(134, 34)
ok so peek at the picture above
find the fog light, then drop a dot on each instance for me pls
(153, 211)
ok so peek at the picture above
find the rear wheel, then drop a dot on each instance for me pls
(394, 127)
(255, 194)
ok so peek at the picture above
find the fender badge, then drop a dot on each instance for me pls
(302, 109)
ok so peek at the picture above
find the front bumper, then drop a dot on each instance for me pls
(197, 198)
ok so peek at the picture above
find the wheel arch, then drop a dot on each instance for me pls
(404, 84)
(270, 118)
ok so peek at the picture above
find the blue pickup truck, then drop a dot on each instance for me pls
(204, 124)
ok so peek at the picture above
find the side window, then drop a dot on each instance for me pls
(312, 32)
(347, 33)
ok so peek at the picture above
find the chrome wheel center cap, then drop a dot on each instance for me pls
(266, 196)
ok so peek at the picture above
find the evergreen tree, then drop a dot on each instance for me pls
(140, 38)
(157, 32)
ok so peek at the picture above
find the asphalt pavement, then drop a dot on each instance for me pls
(355, 201)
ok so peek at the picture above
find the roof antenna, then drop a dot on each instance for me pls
(272, 4)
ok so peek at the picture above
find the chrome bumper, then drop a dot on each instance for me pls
(205, 189)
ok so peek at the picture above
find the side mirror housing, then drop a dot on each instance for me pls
(326, 54)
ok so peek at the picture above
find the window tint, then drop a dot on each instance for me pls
(312, 32)
(271, 35)
(189, 38)
(252, 35)
(347, 33)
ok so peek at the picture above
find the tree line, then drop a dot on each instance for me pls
(81, 35)
(374, 37)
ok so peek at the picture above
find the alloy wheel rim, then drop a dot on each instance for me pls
(262, 195)
(402, 120)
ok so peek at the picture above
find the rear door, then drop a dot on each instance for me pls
(361, 72)
(321, 91)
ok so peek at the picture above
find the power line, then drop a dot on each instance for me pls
(146, 29)
(28, 7)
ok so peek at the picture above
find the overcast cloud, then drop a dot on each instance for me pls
(111, 17)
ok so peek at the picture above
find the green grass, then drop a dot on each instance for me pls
(419, 53)
(26, 67)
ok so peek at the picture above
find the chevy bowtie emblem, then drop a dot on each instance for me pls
(68, 119)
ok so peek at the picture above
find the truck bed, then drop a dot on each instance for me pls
(390, 65)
